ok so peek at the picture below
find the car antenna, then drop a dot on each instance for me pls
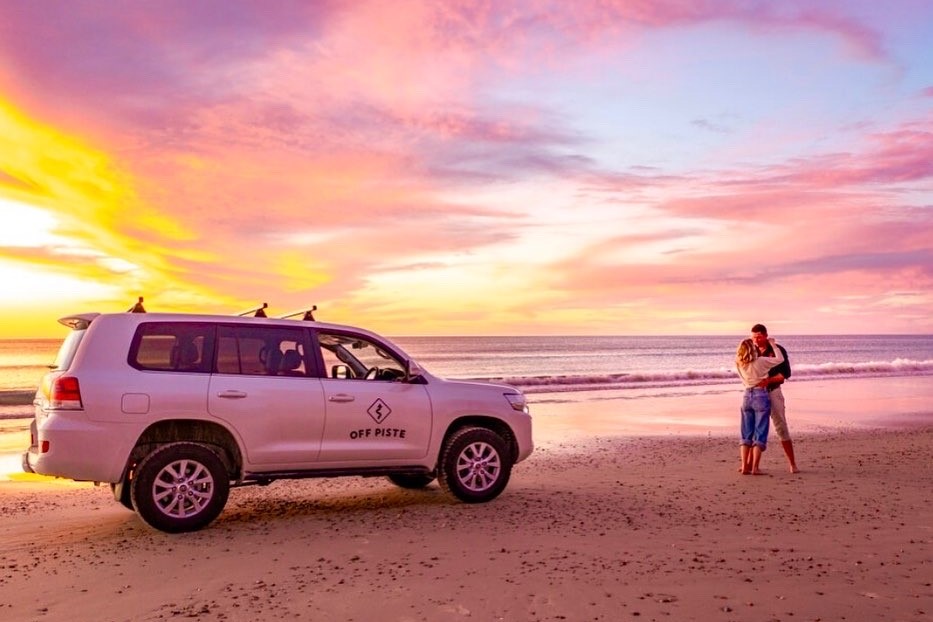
(257, 311)
(307, 315)
(138, 307)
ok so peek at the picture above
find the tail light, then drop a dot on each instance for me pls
(65, 394)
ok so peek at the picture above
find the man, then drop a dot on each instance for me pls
(776, 377)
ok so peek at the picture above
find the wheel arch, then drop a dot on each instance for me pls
(192, 430)
(498, 426)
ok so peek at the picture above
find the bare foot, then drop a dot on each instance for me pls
(794, 469)
(758, 473)
(744, 471)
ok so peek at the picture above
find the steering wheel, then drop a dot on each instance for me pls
(372, 373)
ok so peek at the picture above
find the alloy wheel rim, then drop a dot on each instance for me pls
(478, 466)
(183, 488)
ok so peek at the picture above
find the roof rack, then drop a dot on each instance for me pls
(138, 307)
(307, 315)
(257, 311)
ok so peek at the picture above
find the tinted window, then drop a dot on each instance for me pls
(66, 352)
(172, 346)
(262, 350)
(354, 357)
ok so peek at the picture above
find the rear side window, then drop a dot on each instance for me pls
(66, 352)
(172, 346)
(262, 351)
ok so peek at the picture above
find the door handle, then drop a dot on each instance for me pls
(341, 397)
(232, 395)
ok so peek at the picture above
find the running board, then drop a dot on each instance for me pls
(266, 478)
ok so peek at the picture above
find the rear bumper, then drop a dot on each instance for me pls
(66, 444)
(29, 458)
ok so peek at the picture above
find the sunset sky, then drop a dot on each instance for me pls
(493, 167)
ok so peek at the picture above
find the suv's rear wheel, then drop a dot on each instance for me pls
(180, 487)
(475, 465)
(413, 481)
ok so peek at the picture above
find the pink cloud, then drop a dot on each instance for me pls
(340, 131)
(790, 238)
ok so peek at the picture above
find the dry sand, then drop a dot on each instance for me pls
(606, 528)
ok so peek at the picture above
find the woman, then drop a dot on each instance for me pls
(756, 404)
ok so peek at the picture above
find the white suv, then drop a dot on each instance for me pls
(174, 409)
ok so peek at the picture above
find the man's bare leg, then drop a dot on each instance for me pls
(789, 452)
(745, 461)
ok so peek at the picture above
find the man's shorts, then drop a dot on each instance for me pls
(778, 420)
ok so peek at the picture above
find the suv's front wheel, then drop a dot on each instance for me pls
(475, 465)
(180, 487)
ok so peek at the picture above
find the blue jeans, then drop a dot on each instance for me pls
(756, 417)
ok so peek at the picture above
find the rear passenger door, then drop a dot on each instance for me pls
(263, 387)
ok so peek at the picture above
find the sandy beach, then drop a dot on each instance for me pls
(596, 525)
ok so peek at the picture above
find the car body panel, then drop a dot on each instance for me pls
(376, 421)
(279, 421)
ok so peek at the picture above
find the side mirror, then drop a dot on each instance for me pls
(341, 372)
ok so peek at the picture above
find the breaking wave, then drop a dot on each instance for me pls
(563, 383)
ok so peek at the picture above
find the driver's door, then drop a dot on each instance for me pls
(372, 413)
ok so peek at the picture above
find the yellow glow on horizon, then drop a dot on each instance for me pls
(75, 234)
(36, 286)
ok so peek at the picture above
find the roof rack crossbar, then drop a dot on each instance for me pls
(307, 315)
(256, 311)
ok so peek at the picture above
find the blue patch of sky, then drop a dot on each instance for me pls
(906, 27)
(678, 98)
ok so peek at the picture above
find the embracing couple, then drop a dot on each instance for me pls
(763, 367)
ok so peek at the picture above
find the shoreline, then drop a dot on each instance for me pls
(813, 406)
(17, 397)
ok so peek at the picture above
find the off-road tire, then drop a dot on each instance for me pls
(180, 487)
(412, 481)
(475, 465)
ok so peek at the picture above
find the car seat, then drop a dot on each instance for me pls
(291, 361)
(185, 356)
(271, 358)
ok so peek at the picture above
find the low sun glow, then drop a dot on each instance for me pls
(26, 226)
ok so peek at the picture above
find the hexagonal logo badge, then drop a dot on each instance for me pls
(379, 410)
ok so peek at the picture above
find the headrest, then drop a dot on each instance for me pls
(291, 360)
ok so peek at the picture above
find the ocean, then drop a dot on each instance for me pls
(563, 364)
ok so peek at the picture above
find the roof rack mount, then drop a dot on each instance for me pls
(138, 307)
(257, 311)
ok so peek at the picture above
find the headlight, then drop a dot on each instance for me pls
(517, 401)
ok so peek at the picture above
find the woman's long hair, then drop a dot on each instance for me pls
(746, 352)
